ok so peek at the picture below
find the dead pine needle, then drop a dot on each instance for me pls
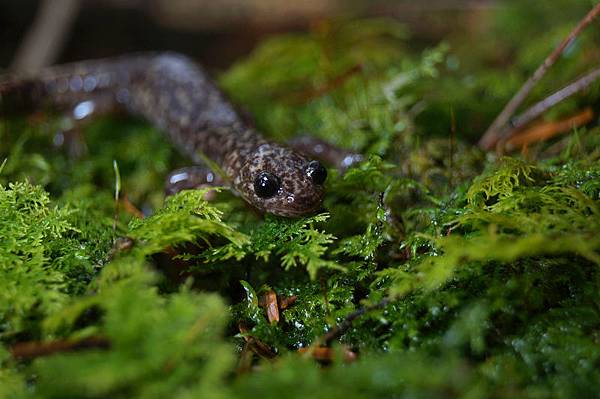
(539, 108)
(34, 349)
(346, 324)
(546, 130)
(117, 194)
(497, 129)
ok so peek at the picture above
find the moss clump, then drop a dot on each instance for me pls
(48, 253)
(492, 264)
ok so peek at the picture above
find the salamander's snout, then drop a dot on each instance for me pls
(279, 181)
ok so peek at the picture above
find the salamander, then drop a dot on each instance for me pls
(176, 95)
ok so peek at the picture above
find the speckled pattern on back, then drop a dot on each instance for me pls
(176, 95)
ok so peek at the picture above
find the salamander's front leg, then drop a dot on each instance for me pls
(190, 178)
(326, 152)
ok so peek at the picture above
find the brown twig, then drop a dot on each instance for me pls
(326, 355)
(547, 130)
(117, 193)
(539, 108)
(256, 345)
(131, 209)
(345, 325)
(34, 349)
(497, 129)
(47, 35)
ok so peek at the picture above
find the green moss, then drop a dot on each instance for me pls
(493, 263)
(38, 257)
(174, 349)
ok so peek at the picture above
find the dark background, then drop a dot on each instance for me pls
(218, 32)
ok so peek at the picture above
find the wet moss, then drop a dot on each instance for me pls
(492, 264)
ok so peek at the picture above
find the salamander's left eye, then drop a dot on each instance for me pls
(316, 172)
(266, 185)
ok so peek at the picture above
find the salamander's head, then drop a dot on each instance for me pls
(277, 180)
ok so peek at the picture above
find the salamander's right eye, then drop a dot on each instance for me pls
(316, 172)
(266, 185)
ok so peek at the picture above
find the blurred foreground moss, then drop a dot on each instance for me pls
(492, 263)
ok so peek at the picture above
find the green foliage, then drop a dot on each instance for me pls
(45, 256)
(510, 215)
(502, 182)
(493, 264)
(296, 242)
(366, 113)
(186, 217)
(382, 376)
(175, 349)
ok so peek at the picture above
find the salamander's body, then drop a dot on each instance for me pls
(176, 95)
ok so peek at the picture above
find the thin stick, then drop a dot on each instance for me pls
(34, 349)
(47, 35)
(117, 193)
(341, 328)
(496, 130)
(539, 108)
(545, 131)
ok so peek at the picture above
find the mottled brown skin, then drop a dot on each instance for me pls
(324, 151)
(176, 95)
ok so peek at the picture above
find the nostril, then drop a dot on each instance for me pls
(316, 172)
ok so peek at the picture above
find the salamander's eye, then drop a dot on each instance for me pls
(266, 185)
(316, 172)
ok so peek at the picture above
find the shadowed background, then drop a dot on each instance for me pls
(217, 33)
